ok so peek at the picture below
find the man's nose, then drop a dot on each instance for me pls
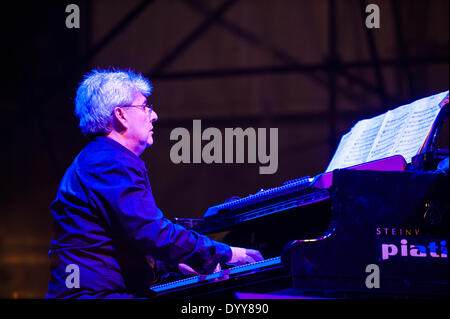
(153, 116)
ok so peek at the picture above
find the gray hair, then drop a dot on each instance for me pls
(100, 92)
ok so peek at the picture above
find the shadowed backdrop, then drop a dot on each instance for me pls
(312, 69)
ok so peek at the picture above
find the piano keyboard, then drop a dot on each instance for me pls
(287, 188)
(231, 272)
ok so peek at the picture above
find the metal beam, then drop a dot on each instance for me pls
(250, 120)
(131, 16)
(283, 56)
(199, 30)
(375, 58)
(333, 61)
(401, 47)
(293, 68)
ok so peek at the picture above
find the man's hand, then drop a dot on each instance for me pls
(244, 256)
(186, 270)
(240, 256)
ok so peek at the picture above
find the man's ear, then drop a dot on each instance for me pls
(121, 117)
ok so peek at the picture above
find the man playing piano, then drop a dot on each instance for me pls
(110, 239)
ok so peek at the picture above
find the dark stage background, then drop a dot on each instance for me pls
(312, 69)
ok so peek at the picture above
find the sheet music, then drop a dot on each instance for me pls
(416, 128)
(400, 131)
(388, 134)
(355, 146)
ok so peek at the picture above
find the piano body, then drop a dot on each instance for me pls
(373, 230)
(388, 238)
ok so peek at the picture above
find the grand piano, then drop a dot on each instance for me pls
(357, 232)
(374, 230)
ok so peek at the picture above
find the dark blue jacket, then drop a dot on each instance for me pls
(106, 223)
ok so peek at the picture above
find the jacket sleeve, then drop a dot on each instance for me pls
(123, 194)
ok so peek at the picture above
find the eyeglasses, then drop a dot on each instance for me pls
(143, 106)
